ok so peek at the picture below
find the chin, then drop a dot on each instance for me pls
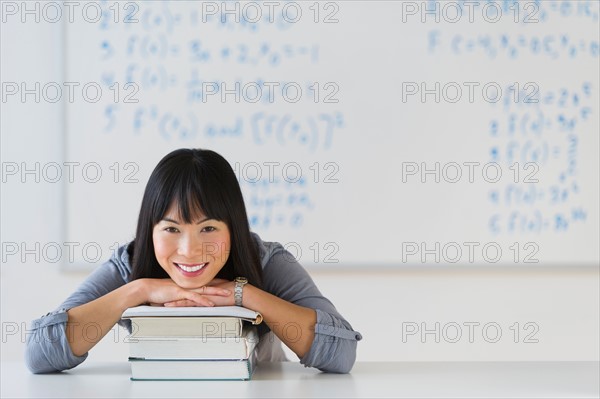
(189, 284)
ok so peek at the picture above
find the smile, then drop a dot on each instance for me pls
(191, 269)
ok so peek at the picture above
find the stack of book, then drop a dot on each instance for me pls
(192, 343)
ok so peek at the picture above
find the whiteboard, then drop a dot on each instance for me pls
(363, 133)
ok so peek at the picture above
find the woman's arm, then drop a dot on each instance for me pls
(47, 348)
(294, 325)
(100, 315)
(333, 348)
(87, 324)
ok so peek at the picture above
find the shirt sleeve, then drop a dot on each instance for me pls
(47, 349)
(334, 346)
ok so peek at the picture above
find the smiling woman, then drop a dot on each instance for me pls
(191, 254)
(193, 247)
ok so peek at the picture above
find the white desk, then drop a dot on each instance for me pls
(402, 379)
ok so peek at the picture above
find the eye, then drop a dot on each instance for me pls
(209, 229)
(171, 229)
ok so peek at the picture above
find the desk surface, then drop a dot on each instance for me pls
(368, 379)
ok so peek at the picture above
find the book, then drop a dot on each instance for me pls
(199, 348)
(192, 343)
(216, 327)
(194, 311)
(192, 369)
(224, 321)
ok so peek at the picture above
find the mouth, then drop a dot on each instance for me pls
(191, 270)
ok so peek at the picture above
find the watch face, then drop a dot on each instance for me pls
(241, 280)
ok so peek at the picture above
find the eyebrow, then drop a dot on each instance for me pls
(176, 222)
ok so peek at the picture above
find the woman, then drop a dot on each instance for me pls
(192, 241)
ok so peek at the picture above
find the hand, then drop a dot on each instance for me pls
(166, 292)
(216, 285)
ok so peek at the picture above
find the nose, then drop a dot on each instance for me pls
(190, 247)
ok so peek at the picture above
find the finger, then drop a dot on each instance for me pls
(181, 303)
(208, 290)
(199, 299)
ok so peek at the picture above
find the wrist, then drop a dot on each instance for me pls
(238, 290)
(248, 299)
(136, 294)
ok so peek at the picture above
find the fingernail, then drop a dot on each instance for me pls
(211, 304)
(226, 292)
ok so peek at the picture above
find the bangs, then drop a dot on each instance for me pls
(194, 195)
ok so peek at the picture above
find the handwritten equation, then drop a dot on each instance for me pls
(546, 133)
(177, 51)
(514, 46)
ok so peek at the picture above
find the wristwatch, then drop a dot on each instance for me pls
(240, 282)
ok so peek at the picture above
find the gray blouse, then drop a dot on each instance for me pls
(333, 348)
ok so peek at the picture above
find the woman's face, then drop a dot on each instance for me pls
(192, 254)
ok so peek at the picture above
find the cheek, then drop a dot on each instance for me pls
(161, 248)
(224, 245)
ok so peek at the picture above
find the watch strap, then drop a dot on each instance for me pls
(238, 290)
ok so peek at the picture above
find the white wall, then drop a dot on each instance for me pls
(562, 302)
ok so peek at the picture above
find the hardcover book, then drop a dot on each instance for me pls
(199, 348)
(192, 369)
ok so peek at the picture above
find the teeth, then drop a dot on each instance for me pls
(191, 269)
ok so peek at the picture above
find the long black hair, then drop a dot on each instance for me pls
(197, 181)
